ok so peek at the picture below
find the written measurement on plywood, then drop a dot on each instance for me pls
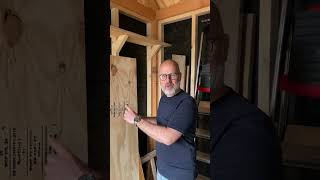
(117, 109)
(23, 151)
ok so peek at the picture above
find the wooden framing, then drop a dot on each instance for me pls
(135, 9)
(135, 38)
(248, 57)
(194, 49)
(115, 17)
(117, 44)
(181, 8)
(194, 16)
(264, 55)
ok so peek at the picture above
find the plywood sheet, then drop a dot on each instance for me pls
(231, 19)
(181, 60)
(124, 152)
(249, 56)
(42, 84)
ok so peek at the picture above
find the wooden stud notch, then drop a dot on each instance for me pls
(118, 44)
(154, 50)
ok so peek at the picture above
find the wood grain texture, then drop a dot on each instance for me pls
(230, 14)
(44, 89)
(249, 56)
(181, 60)
(124, 153)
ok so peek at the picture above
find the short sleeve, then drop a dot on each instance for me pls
(184, 116)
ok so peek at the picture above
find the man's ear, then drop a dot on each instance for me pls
(179, 76)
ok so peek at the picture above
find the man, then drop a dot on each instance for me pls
(173, 129)
(244, 145)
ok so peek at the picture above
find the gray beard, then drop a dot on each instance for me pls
(176, 90)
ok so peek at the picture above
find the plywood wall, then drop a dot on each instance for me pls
(42, 83)
(181, 60)
(124, 147)
(231, 19)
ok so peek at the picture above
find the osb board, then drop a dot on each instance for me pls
(124, 147)
(181, 60)
(42, 83)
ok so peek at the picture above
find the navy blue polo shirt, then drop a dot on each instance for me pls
(178, 161)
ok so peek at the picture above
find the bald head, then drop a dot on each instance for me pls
(170, 64)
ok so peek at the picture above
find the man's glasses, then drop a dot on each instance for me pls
(173, 76)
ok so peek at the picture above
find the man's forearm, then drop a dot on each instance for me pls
(152, 120)
(157, 132)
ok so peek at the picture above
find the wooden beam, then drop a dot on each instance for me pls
(136, 38)
(194, 35)
(264, 55)
(153, 168)
(230, 13)
(249, 56)
(160, 4)
(148, 156)
(188, 79)
(134, 9)
(118, 44)
(185, 16)
(154, 49)
(181, 8)
(115, 17)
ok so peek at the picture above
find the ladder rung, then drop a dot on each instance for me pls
(203, 157)
(202, 177)
(204, 107)
(202, 133)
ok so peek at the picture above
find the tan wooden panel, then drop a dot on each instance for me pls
(42, 90)
(181, 60)
(124, 152)
(249, 56)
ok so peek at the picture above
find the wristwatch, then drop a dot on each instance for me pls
(136, 119)
(87, 177)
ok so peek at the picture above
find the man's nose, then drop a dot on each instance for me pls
(169, 78)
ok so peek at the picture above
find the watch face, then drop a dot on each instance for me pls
(136, 119)
(87, 177)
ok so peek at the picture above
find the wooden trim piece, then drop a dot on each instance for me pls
(194, 35)
(185, 16)
(148, 156)
(264, 55)
(181, 8)
(160, 4)
(204, 107)
(135, 38)
(161, 54)
(118, 44)
(249, 55)
(115, 17)
(153, 168)
(202, 133)
(188, 79)
(203, 157)
(134, 9)
(154, 49)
